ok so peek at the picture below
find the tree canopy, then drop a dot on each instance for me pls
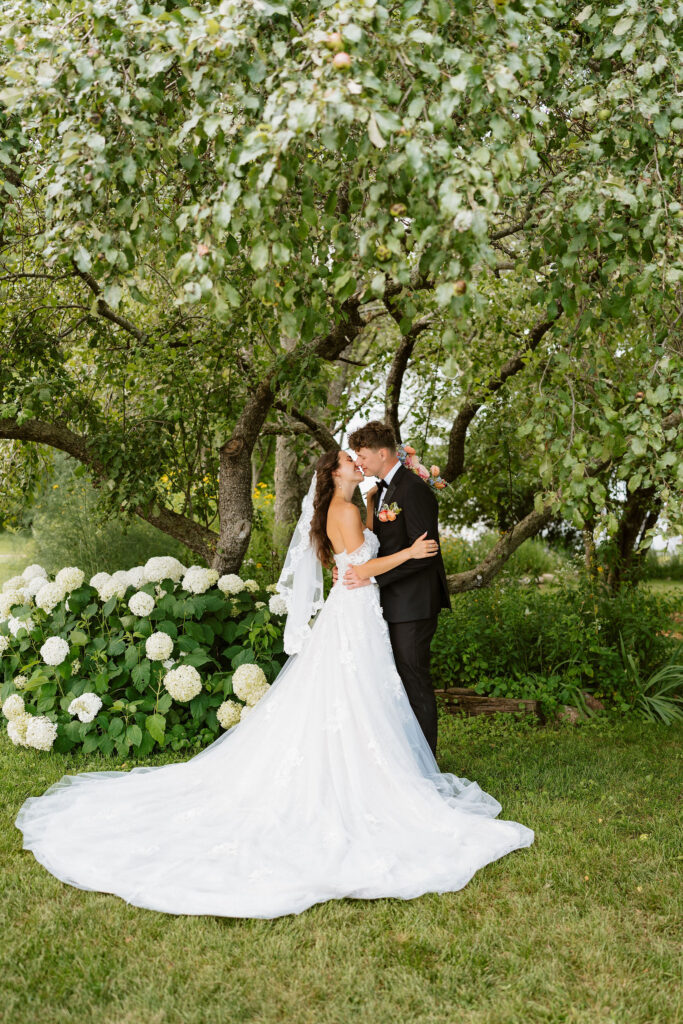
(219, 221)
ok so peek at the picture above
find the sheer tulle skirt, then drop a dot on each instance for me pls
(328, 789)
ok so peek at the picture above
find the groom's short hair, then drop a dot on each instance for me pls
(375, 435)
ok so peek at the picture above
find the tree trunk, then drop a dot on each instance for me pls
(235, 507)
(288, 491)
(638, 512)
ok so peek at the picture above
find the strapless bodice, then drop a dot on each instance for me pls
(367, 550)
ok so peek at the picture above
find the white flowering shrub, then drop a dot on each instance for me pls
(249, 683)
(69, 578)
(196, 580)
(41, 732)
(85, 707)
(33, 572)
(159, 655)
(230, 584)
(228, 714)
(54, 650)
(158, 646)
(142, 604)
(13, 706)
(183, 683)
(277, 605)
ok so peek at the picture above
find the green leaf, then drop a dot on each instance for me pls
(132, 656)
(134, 734)
(91, 742)
(140, 675)
(156, 727)
(259, 256)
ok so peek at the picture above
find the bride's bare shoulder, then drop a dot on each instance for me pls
(343, 512)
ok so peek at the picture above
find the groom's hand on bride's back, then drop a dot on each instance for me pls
(353, 580)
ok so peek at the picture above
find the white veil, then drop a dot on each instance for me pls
(301, 579)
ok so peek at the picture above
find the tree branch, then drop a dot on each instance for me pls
(197, 537)
(458, 434)
(482, 574)
(317, 430)
(398, 367)
(105, 310)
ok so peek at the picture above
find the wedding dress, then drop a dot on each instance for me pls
(327, 789)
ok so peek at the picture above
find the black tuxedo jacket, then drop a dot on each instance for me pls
(417, 589)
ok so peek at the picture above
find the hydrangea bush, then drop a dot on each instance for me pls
(158, 655)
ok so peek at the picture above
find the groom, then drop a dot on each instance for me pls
(412, 594)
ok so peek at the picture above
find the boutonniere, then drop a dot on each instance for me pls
(388, 513)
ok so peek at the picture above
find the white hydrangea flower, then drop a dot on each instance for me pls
(98, 579)
(137, 576)
(159, 646)
(54, 650)
(4, 644)
(20, 682)
(13, 706)
(251, 585)
(16, 625)
(13, 583)
(41, 733)
(34, 572)
(70, 578)
(142, 604)
(278, 605)
(196, 580)
(259, 604)
(32, 586)
(228, 714)
(163, 567)
(159, 591)
(49, 596)
(86, 706)
(249, 683)
(169, 663)
(272, 588)
(183, 683)
(16, 729)
(247, 709)
(230, 584)
(7, 601)
(213, 575)
(75, 666)
(110, 588)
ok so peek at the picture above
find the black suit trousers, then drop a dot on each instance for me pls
(410, 642)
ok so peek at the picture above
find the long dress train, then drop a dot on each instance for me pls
(327, 789)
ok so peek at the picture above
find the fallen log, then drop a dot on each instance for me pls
(461, 700)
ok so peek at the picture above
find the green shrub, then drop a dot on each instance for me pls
(532, 558)
(659, 566)
(519, 641)
(211, 631)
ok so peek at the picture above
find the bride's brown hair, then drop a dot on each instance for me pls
(324, 491)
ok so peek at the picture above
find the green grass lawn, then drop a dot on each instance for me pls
(16, 551)
(583, 926)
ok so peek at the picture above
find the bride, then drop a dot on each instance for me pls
(328, 789)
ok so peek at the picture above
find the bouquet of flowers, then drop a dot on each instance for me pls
(410, 460)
